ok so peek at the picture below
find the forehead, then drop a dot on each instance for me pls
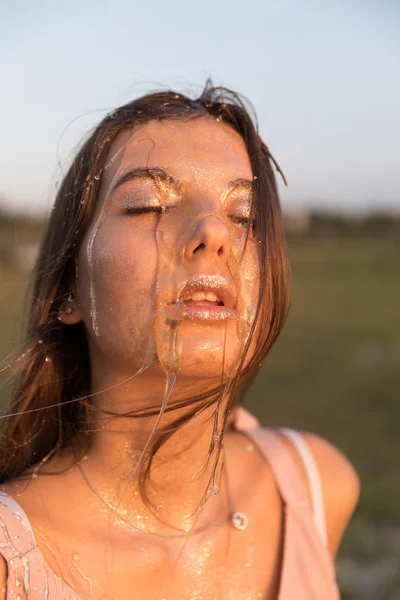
(195, 151)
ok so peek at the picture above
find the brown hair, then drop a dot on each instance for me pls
(48, 406)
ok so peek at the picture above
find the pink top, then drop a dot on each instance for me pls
(307, 568)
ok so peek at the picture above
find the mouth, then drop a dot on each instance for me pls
(205, 298)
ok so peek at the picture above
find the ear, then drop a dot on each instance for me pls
(70, 312)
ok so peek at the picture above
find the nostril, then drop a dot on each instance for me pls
(221, 251)
(199, 247)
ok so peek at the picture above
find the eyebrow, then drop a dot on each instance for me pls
(155, 174)
(159, 175)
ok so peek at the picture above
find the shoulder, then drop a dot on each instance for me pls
(340, 485)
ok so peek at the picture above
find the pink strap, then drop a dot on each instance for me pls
(313, 477)
(307, 568)
(16, 538)
(290, 484)
(278, 457)
(28, 575)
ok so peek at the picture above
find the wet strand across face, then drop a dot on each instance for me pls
(221, 286)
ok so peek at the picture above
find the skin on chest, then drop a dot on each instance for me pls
(219, 563)
(101, 561)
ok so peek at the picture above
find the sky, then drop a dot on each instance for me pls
(323, 76)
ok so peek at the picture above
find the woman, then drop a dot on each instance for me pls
(128, 469)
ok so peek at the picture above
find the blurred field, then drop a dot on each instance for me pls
(334, 371)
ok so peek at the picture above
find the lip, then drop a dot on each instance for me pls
(201, 312)
(183, 308)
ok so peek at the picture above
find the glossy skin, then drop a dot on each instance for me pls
(103, 557)
(205, 159)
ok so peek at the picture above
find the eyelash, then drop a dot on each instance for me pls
(142, 210)
(244, 222)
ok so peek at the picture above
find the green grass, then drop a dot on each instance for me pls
(13, 287)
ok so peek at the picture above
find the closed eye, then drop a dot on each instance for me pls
(142, 210)
(244, 221)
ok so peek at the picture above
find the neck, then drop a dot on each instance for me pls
(180, 475)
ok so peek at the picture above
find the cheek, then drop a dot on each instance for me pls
(249, 291)
(250, 276)
(245, 271)
(118, 284)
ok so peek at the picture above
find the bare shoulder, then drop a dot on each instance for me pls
(340, 486)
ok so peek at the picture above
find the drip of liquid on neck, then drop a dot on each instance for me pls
(172, 234)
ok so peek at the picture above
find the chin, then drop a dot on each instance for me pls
(208, 352)
(205, 352)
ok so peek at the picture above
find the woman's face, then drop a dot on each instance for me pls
(164, 273)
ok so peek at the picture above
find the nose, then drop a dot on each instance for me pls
(210, 240)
